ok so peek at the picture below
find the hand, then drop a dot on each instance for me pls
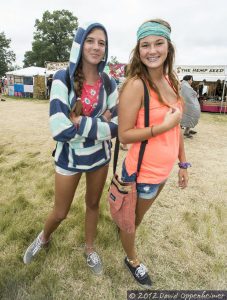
(107, 115)
(183, 178)
(172, 118)
(74, 118)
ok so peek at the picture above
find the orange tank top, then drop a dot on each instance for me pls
(161, 151)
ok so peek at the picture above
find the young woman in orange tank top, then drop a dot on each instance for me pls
(152, 60)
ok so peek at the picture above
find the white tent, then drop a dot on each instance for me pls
(28, 72)
(21, 82)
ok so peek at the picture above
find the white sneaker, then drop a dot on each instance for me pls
(94, 262)
(34, 249)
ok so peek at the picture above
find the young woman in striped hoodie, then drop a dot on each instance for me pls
(83, 121)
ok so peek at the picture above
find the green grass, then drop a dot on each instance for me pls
(182, 239)
(215, 117)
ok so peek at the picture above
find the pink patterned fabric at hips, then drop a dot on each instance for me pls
(89, 97)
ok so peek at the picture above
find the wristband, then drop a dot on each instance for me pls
(184, 165)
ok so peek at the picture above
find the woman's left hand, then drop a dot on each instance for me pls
(183, 178)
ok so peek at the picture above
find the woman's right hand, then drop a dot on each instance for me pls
(172, 118)
(107, 115)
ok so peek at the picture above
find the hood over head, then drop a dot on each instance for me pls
(77, 47)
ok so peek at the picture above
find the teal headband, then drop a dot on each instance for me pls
(153, 28)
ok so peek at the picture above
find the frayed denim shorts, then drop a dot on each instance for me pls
(144, 190)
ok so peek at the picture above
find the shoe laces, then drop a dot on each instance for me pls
(141, 271)
(38, 245)
(94, 258)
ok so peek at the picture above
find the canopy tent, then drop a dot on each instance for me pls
(28, 72)
(211, 74)
(21, 83)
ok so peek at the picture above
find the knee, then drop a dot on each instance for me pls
(92, 204)
(59, 216)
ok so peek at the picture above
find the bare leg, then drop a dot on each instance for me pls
(128, 240)
(65, 187)
(95, 183)
(143, 206)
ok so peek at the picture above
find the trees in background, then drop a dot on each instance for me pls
(7, 56)
(52, 38)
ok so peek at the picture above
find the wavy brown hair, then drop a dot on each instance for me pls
(136, 69)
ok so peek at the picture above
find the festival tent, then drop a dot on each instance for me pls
(199, 73)
(21, 82)
(28, 72)
(207, 77)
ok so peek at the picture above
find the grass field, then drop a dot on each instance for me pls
(182, 240)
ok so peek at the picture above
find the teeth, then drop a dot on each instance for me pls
(152, 59)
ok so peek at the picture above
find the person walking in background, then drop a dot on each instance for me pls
(192, 108)
(83, 120)
(151, 62)
(49, 84)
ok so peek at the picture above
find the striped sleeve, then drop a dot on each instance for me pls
(62, 128)
(95, 128)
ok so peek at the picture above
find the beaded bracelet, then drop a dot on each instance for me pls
(184, 165)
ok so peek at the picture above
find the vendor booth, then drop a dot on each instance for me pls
(210, 84)
(28, 82)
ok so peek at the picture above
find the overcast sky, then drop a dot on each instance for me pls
(199, 27)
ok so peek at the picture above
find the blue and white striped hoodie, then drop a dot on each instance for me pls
(88, 147)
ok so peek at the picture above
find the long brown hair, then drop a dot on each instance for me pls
(78, 86)
(136, 69)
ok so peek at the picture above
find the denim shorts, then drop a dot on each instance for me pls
(144, 190)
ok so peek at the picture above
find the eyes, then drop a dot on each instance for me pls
(92, 41)
(147, 45)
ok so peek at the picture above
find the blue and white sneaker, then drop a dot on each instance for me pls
(34, 249)
(94, 262)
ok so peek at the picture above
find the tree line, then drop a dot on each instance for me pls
(52, 41)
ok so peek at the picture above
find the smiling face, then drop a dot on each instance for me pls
(94, 47)
(153, 51)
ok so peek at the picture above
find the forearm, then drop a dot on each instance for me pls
(141, 134)
(181, 155)
(96, 129)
